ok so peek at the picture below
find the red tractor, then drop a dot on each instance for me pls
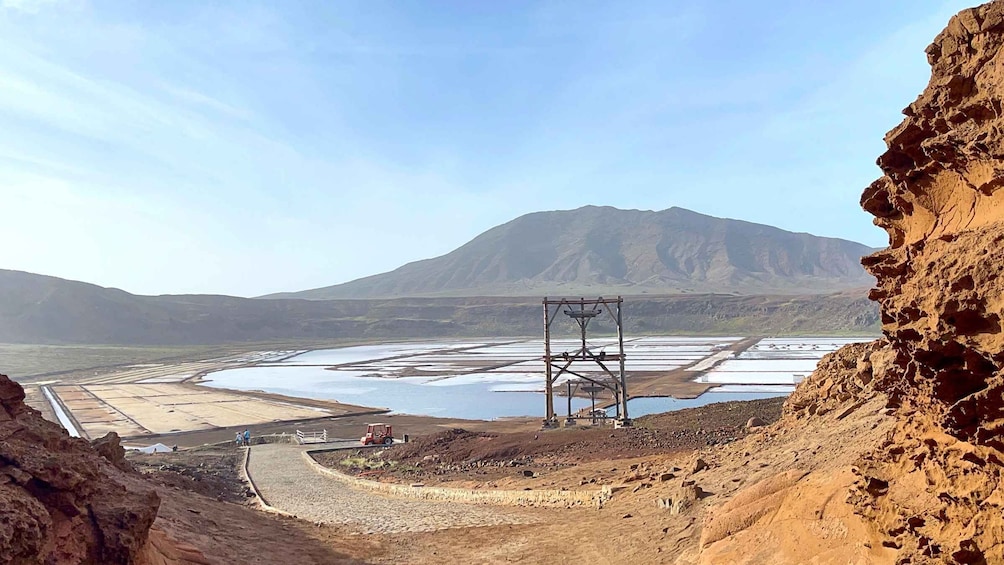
(378, 433)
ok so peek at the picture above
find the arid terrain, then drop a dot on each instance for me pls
(889, 453)
(52, 312)
(471, 456)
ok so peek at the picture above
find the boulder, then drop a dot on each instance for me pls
(110, 447)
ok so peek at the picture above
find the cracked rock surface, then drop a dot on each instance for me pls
(932, 490)
(60, 501)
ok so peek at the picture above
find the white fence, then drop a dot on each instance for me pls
(311, 437)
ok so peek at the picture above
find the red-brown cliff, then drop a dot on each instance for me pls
(933, 490)
(61, 502)
(924, 405)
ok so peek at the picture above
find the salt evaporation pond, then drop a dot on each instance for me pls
(489, 380)
(359, 353)
(468, 398)
(405, 395)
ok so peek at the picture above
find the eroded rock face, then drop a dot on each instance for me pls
(844, 375)
(933, 491)
(938, 282)
(60, 502)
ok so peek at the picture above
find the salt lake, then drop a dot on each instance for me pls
(492, 379)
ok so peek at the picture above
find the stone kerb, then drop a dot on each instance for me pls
(259, 499)
(536, 498)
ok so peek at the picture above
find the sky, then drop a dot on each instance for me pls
(252, 147)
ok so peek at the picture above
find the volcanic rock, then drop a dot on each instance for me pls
(698, 466)
(682, 498)
(933, 489)
(840, 376)
(60, 502)
(930, 492)
(110, 447)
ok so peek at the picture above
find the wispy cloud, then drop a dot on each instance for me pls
(251, 147)
(141, 174)
(201, 100)
(28, 6)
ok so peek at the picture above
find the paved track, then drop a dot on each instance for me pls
(290, 484)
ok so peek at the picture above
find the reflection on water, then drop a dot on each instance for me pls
(468, 400)
(471, 398)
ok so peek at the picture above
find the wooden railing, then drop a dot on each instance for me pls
(311, 437)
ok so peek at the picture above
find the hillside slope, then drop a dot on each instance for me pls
(38, 309)
(926, 487)
(603, 250)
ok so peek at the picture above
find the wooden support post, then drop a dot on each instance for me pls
(624, 419)
(549, 418)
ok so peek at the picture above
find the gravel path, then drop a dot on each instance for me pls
(288, 483)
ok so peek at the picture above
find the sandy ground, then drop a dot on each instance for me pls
(136, 410)
(33, 397)
(632, 527)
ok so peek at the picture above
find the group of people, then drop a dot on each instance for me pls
(243, 439)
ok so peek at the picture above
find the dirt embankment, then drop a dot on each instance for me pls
(212, 471)
(462, 455)
(205, 504)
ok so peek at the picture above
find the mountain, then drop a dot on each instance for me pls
(603, 250)
(38, 309)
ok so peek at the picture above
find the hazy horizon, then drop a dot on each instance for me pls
(250, 148)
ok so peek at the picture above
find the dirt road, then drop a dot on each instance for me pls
(290, 484)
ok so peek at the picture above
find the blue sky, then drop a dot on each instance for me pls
(252, 147)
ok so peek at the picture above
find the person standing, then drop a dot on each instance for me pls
(247, 438)
(239, 439)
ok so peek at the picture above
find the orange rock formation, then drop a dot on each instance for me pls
(933, 490)
(62, 502)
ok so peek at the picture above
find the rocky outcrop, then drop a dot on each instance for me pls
(110, 447)
(933, 490)
(60, 502)
(748, 506)
(840, 377)
(938, 282)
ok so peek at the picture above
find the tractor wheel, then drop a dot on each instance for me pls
(388, 440)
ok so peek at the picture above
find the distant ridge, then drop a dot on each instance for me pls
(38, 309)
(604, 250)
(683, 271)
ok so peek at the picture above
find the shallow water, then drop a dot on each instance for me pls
(467, 397)
(475, 397)
(769, 369)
